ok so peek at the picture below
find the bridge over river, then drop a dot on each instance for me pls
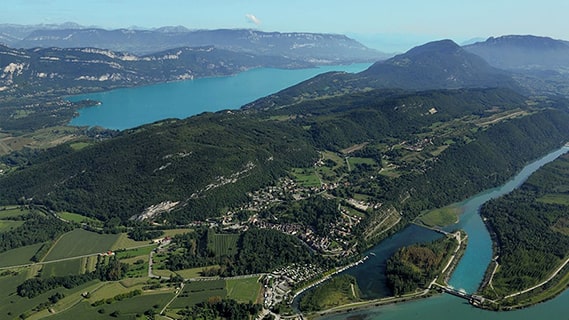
(472, 298)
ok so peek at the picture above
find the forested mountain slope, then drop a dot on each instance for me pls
(208, 163)
(435, 65)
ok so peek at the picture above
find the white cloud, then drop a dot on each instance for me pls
(253, 19)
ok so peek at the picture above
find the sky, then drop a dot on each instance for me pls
(384, 25)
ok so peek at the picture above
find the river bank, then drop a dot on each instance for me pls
(467, 275)
(434, 286)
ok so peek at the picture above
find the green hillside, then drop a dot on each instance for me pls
(207, 164)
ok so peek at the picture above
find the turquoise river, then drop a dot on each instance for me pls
(467, 275)
(131, 107)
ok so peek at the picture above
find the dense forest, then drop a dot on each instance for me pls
(414, 267)
(530, 228)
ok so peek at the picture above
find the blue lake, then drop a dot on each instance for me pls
(132, 107)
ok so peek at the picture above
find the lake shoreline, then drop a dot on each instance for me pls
(128, 107)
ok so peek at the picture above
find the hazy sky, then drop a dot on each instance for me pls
(364, 19)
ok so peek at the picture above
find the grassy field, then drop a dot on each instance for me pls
(132, 253)
(62, 268)
(127, 308)
(109, 290)
(223, 244)
(441, 217)
(81, 242)
(173, 232)
(12, 211)
(335, 292)
(555, 198)
(18, 256)
(198, 291)
(243, 290)
(12, 305)
(7, 225)
(193, 273)
(88, 264)
(306, 177)
(74, 217)
(79, 145)
(355, 161)
(123, 242)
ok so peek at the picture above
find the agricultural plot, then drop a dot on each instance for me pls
(354, 161)
(133, 253)
(123, 242)
(74, 217)
(223, 244)
(12, 305)
(440, 217)
(88, 264)
(555, 198)
(7, 225)
(12, 211)
(81, 242)
(62, 268)
(138, 267)
(19, 256)
(109, 290)
(306, 177)
(125, 309)
(197, 291)
(194, 272)
(243, 290)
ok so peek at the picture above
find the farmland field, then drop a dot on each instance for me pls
(355, 161)
(306, 177)
(12, 305)
(127, 308)
(62, 268)
(88, 264)
(243, 290)
(19, 256)
(194, 272)
(223, 244)
(12, 211)
(441, 217)
(555, 198)
(173, 232)
(143, 251)
(7, 225)
(123, 242)
(74, 217)
(80, 242)
(198, 291)
(109, 290)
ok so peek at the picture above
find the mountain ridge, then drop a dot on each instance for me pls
(73, 70)
(322, 47)
(436, 65)
(523, 52)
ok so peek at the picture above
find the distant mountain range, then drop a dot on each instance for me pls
(310, 47)
(517, 52)
(75, 70)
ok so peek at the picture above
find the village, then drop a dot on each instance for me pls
(338, 242)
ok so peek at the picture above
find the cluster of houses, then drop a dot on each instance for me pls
(279, 284)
